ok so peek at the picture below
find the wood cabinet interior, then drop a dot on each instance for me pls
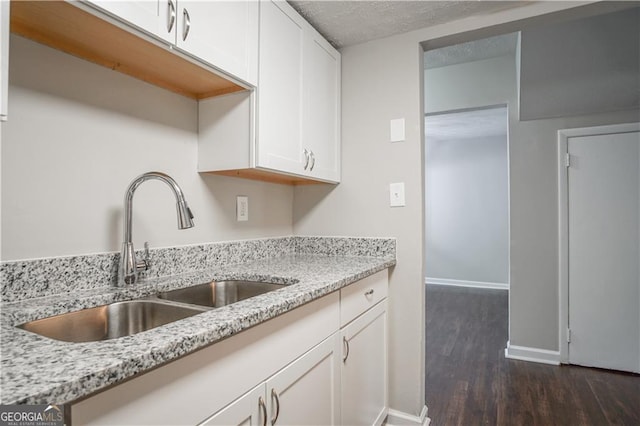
(70, 29)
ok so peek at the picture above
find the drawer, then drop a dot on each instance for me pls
(362, 295)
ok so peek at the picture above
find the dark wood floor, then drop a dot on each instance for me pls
(470, 382)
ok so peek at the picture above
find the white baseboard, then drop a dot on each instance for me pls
(524, 353)
(463, 283)
(398, 418)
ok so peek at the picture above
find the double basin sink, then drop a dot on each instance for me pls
(121, 319)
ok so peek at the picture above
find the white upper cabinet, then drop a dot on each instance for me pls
(298, 97)
(146, 15)
(294, 115)
(222, 33)
(279, 132)
(321, 109)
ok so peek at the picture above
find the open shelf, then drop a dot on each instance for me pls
(73, 30)
(266, 176)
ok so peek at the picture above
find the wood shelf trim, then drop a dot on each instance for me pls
(266, 176)
(68, 28)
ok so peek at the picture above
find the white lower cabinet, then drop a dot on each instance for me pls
(306, 392)
(300, 368)
(248, 410)
(364, 368)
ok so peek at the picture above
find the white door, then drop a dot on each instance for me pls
(307, 392)
(364, 371)
(603, 226)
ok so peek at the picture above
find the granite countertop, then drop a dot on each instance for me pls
(38, 370)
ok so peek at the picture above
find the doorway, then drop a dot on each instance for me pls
(599, 189)
(466, 198)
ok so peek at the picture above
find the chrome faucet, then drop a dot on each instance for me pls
(129, 266)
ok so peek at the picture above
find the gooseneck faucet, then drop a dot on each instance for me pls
(129, 265)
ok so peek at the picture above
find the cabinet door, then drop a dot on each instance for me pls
(222, 33)
(364, 368)
(321, 108)
(307, 392)
(248, 410)
(151, 16)
(279, 93)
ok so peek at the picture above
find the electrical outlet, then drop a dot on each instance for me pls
(242, 208)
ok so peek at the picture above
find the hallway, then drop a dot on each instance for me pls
(469, 381)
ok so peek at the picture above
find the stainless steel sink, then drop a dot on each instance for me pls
(110, 321)
(219, 293)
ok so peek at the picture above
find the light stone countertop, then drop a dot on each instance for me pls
(38, 370)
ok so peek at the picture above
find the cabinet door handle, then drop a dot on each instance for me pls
(263, 409)
(171, 15)
(369, 292)
(306, 158)
(313, 161)
(346, 347)
(187, 24)
(274, 395)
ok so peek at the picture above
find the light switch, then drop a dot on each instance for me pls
(242, 208)
(396, 130)
(396, 194)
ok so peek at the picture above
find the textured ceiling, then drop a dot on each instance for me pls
(485, 48)
(345, 23)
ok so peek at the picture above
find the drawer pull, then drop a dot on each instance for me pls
(369, 292)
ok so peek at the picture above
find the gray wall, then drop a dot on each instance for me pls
(471, 85)
(79, 133)
(360, 204)
(534, 310)
(581, 67)
(466, 190)
(533, 162)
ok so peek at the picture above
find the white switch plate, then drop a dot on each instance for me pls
(242, 208)
(396, 194)
(396, 130)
